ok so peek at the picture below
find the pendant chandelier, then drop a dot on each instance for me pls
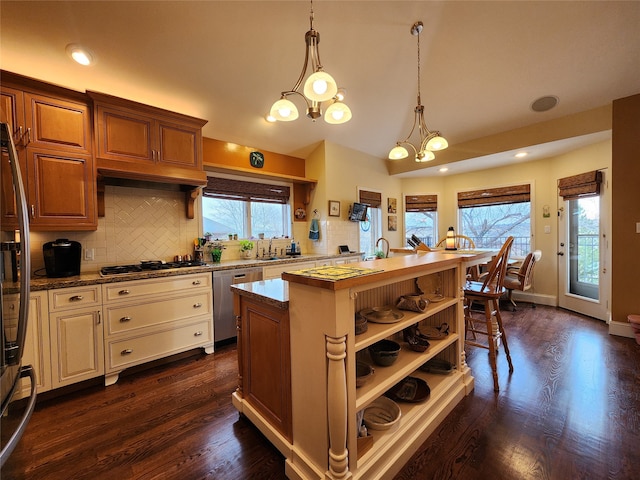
(429, 141)
(320, 87)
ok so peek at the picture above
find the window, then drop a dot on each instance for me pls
(421, 218)
(491, 215)
(246, 208)
(371, 229)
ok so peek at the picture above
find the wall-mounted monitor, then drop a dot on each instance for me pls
(358, 212)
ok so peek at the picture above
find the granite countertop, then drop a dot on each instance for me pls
(274, 292)
(93, 278)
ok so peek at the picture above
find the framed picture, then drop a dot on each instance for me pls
(392, 205)
(334, 208)
(392, 223)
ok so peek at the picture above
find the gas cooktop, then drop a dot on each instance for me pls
(147, 266)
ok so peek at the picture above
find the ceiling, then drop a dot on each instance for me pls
(482, 64)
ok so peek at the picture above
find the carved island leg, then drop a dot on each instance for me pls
(337, 407)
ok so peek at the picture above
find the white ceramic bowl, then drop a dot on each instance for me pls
(382, 414)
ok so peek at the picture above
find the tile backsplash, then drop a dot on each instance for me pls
(151, 224)
(139, 224)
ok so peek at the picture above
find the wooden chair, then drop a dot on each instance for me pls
(462, 242)
(487, 293)
(519, 278)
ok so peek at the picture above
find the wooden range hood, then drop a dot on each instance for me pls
(143, 146)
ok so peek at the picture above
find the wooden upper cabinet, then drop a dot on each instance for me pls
(62, 190)
(124, 135)
(58, 124)
(130, 135)
(52, 131)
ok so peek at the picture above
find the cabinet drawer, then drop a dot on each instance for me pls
(124, 291)
(127, 318)
(65, 298)
(125, 353)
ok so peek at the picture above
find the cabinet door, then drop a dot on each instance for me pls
(57, 124)
(77, 346)
(61, 190)
(266, 375)
(125, 135)
(179, 145)
(37, 351)
(12, 108)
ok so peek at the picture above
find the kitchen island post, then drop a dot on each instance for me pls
(322, 442)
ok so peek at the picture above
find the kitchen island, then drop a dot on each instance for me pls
(300, 390)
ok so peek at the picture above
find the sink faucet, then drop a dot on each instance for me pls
(385, 248)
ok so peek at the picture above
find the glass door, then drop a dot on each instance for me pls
(583, 255)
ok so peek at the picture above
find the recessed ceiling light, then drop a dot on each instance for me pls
(545, 103)
(80, 54)
(269, 118)
(443, 169)
(521, 154)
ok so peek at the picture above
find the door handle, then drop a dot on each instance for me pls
(561, 254)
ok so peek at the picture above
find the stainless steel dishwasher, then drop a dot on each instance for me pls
(224, 322)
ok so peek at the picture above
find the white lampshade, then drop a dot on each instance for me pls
(284, 110)
(337, 113)
(398, 153)
(425, 156)
(320, 87)
(437, 143)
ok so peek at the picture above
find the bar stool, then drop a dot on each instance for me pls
(487, 293)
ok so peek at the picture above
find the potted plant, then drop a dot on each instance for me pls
(246, 247)
(215, 250)
(379, 254)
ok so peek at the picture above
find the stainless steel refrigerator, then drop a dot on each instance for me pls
(14, 283)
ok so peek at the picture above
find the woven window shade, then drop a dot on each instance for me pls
(421, 203)
(373, 199)
(494, 196)
(227, 189)
(580, 186)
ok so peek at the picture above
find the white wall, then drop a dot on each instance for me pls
(543, 176)
(340, 171)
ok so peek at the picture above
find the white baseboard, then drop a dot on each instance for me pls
(539, 299)
(621, 329)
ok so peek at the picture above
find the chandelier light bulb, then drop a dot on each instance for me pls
(337, 113)
(424, 156)
(320, 87)
(284, 110)
(398, 153)
(437, 143)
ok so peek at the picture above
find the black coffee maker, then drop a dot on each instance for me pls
(62, 258)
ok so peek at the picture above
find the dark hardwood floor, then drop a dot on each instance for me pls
(570, 410)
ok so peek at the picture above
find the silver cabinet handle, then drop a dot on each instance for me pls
(196, 282)
(33, 211)
(126, 351)
(197, 305)
(124, 292)
(197, 334)
(76, 298)
(125, 319)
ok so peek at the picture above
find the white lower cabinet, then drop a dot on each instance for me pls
(76, 335)
(36, 347)
(153, 318)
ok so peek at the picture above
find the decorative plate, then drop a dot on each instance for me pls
(300, 213)
(435, 297)
(373, 316)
